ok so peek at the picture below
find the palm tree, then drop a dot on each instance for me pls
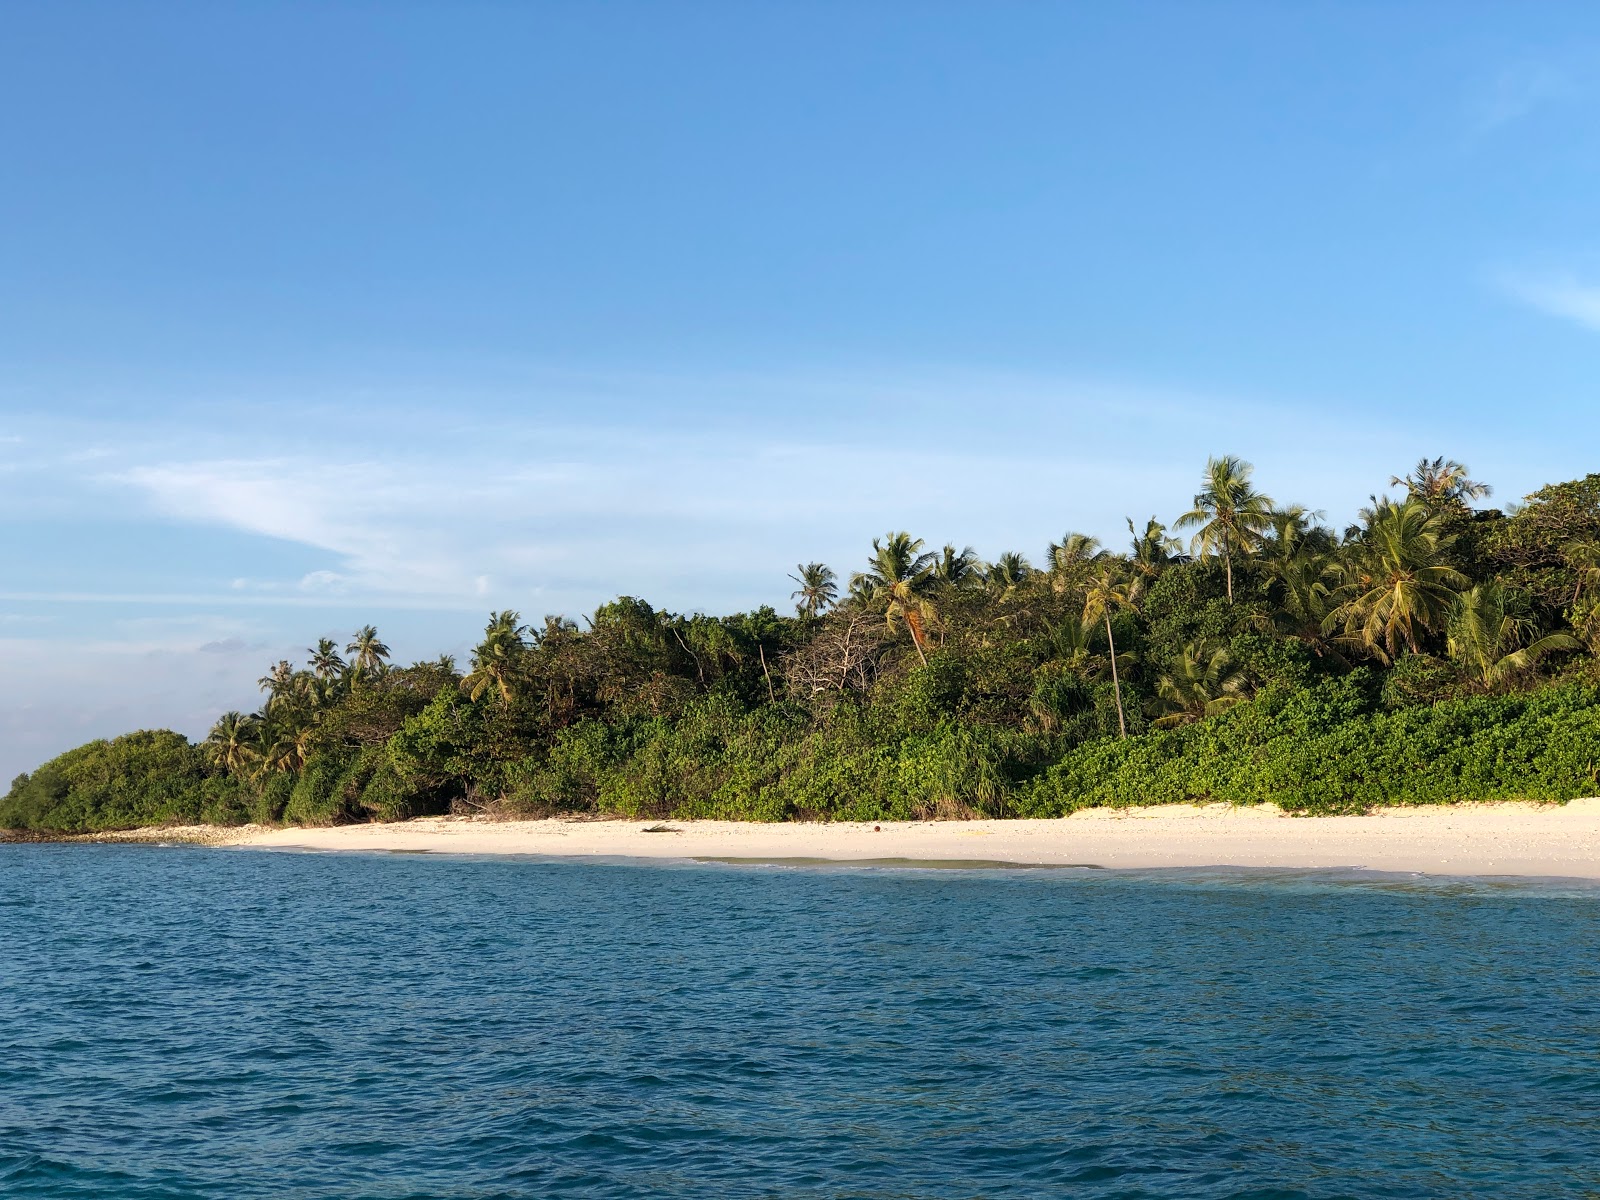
(1441, 483)
(1229, 515)
(325, 661)
(819, 588)
(282, 684)
(898, 575)
(1397, 586)
(1201, 683)
(495, 661)
(1007, 571)
(1493, 636)
(958, 568)
(286, 746)
(1106, 592)
(1075, 644)
(367, 652)
(1153, 550)
(231, 742)
(556, 628)
(1299, 559)
(1073, 560)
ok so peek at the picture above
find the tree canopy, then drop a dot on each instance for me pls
(1433, 650)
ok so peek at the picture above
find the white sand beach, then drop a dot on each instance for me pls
(1468, 839)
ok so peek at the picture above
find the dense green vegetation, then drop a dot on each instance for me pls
(1433, 651)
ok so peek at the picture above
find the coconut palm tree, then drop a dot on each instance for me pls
(1298, 556)
(1229, 515)
(1007, 571)
(231, 742)
(958, 568)
(285, 746)
(1079, 647)
(556, 629)
(898, 576)
(1441, 483)
(1073, 560)
(1491, 633)
(1396, 586)
(819, 588)
(495, 661)
(1201, 683)
(367, 652)
(283, 685)
(325, 661)
(1153, 549)
(1107, 591)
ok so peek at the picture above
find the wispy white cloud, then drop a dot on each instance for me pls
(1558, 295)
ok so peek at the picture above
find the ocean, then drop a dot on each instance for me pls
(186, 1022)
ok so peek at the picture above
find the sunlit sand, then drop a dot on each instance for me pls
(1469, 839)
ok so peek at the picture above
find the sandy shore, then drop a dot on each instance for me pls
(1475, 839)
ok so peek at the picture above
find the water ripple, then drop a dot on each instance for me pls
(190, 1023)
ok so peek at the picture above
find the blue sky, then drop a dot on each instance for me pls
(315, 314)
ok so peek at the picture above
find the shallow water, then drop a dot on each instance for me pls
(224, 1023)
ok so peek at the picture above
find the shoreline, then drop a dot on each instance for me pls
(1476, 839)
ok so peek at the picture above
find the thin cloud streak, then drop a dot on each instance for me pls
(1559, 296)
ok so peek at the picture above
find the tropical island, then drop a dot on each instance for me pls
(1437, 650)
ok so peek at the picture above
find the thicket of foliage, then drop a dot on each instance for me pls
(1432, 651)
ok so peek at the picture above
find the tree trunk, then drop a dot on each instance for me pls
(1227, 566)
(762, 650)
(1116, 684)
(914, 623)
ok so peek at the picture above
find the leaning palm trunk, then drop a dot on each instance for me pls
(914, 624)
(1116, 683)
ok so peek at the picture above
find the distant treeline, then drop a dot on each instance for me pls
(1435, 650)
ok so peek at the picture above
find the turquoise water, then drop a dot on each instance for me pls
(182, 1022)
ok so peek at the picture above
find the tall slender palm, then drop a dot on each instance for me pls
(1153, 549)
(495, 661)
(367, 651)
(1107, 591)
(325, 661)
(1493, 635)
(898, 576)
(1397, 586)
(818, 590)
(1440, 483)
(1229, 515)
(231, 742)
(1073, 560)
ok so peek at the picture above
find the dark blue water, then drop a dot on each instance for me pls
(204, 1023)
